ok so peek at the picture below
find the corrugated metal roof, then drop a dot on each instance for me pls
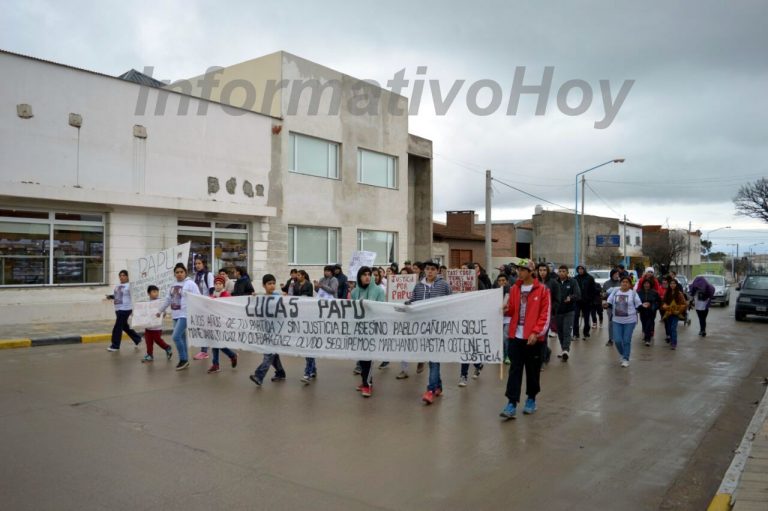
(140, 78)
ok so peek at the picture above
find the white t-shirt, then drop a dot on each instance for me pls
(524, 292)
(122, 295)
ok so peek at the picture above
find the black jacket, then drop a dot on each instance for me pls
(243, 286)
(587, 287)
(303, 290)
(561, 290)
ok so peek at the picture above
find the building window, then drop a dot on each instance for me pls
(26, 257)
(376, 169)
(221, 244)
(314, 156)
(382, 242)
(313, 245)
(627, 240)
(637, 241)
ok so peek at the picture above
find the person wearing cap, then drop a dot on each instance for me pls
(529, 310)
(650, 274)
(343, 291)
(565, 295)
(366, 290)
(219, 292)
(431, 286)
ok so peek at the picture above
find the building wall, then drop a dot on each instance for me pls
(553, 235)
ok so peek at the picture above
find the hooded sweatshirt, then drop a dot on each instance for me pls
(368, 292)
(702, 292)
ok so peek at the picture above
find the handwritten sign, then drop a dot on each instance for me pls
(156, 268)
(400, 287)
(145, 315)
(455, 328)
(359, 259)
(461, 281)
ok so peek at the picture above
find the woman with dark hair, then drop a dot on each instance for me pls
(651, 300)
(304, 287)
(702, 292)
(123, 309)
(243, 285)
(674, 305)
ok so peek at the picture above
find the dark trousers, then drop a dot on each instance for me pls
(365, 372)
(647, 320)
(121, 325)
(597, 312)
(270, 359)
(465, 369)
(702, 320)
(583, 311)
(526, 358)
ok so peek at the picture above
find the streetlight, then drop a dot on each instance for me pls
(733, 259)
(707, 237)
(577, 249)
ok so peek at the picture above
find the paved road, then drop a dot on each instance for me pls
(85, 429)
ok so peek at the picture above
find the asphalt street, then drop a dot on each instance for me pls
(85, 429)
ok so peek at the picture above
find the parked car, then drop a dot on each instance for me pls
(740, 283)
(722, 289)
(683, 281)
(753, 298)
(600, 276)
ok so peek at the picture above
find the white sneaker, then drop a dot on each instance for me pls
(552, 335)
(625, 363)
(113, 349)
(462, 381)
(565, 356)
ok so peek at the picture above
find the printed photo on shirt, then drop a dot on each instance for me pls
(621, 307)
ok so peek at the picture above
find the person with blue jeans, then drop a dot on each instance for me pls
(431, 286)
(270, 359)
(178, 303)
(674, 305)
(625, 304)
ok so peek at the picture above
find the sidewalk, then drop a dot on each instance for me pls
(745, 484)
(47, 334)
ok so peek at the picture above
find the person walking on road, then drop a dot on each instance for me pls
(651, 302)
(529, 310)
(702, 292)
(626, 304)
(674, 307)
(584, 305)
(220, 292)
(269, 282)
(609, 286)
(177, 300)
(366, 290)
(123, 309)
(566, 294)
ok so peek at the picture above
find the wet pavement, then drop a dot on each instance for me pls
(85, 429)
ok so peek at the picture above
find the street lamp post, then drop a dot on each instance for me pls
(710, 232)
(578, 254)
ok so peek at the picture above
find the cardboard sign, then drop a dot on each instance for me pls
(359, 259)
(400, 287)
(156, 268)
(145, 315)
(462, 281)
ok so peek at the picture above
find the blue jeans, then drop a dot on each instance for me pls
(434, 377)
(228, 352)
(270, 359)
(311, 367)
(671, 324)
(180, 337)
(622, 337)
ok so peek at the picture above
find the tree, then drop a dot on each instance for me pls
(706, 246)
(718, 256)
(666, 247)
(752, 200)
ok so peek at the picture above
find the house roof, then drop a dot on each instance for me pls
(138, 77)
(441, 231)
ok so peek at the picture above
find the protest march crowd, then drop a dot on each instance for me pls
(537, 303)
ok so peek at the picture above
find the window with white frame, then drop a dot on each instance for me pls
(376, 169)
(313, 245)
(222, 244)
(39, 248)
(382, 242)
(313, 156)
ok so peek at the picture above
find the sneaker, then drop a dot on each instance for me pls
(647, 343)
(306, 379)
(565, 356)
(214, 369)
(476, 374)
(552, 335)
(359, 388)
(509, 411)
(183, 364)
(147, 358)
(507, 361)
(419, 367)
(594, 325)
(668, 339)
(673, 347)
(357, 370)
(462, 381)
(366, 391)
(136, 346)
(439, 392)
(530, 406)
(383, 365)
(313, 376)
(111, 349)
(201, 356)
(255, 380)
(278, 377)
(575, 338)
(624, 363)
(586, 337)
(609, 343)
(402, 375)
(428, 397)
(703, 334)
(169, 352)
(233, 360)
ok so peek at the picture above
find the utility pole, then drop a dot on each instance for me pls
(690, 273)
(581, 228)
(488, 226)
(626, 263)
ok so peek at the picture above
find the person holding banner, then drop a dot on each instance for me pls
(219, 292)
(270, 359)
(366, 290)
(178, 303)
(123, 309)
(431, 287)
(529, 310)
(153, 335)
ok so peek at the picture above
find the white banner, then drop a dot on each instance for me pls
(400, 287)
(156, 268)
(145, 315)
(359, 259)
(456, 328)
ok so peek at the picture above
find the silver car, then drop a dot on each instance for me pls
(722, 289)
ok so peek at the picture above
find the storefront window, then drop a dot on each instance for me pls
(221, 244)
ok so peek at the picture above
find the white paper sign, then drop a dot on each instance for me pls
(359, 259)
(400, 287)
(461, 281)
(456, 328)
(145, 315)
(156, 268)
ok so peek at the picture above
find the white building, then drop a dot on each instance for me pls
(90, 179)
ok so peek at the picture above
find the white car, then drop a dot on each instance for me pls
(600, 276)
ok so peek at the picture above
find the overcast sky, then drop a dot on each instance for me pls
(692, 127)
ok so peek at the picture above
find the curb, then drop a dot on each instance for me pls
(26, 342)
(723, 500)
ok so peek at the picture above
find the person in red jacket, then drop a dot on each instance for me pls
(529, 309)
(650, 274)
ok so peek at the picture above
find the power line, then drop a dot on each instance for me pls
(530, 194)
(601, 199)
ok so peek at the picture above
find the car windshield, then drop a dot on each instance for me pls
(756, 282)
(600, 274)
(715, 280)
